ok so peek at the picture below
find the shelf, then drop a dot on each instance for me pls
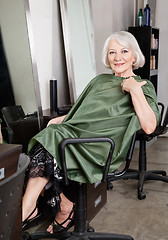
(154, 49)
(143, 36)
(153, 72)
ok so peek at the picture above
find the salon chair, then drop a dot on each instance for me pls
(11, 114)
(82, 230)
(21, 127)
(142, 174)
(11, 190)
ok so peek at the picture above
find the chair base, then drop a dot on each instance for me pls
(26, 236)
(141, 176)
(82, 230)
(81, 236)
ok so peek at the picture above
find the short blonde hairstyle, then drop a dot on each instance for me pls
(127, 40)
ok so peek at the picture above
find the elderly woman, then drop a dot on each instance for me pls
(113, 105)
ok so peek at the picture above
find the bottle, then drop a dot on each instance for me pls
(140, 18)
(147, 15)
(151, 63)
(152, 41)
(154, 62)
(156, 43)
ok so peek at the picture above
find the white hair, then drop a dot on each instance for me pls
(127, 40)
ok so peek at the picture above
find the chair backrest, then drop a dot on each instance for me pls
(12, 114)
(10, 198)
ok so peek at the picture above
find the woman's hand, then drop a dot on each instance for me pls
(56, 120)
(131, 84)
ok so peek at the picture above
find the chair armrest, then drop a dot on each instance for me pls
(161, 112)
(68, 141)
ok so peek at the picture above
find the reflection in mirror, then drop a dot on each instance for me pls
(17, 51)
(79, 44)
(22, 73)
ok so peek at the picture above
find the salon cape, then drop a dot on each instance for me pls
(102, 110)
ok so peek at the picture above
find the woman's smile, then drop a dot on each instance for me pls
(119, 64)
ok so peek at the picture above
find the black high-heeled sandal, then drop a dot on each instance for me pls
(29, 222)
(59, 228)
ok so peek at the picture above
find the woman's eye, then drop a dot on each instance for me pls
(111, 52)
(125, 51)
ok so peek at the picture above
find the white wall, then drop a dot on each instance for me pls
(110, 16)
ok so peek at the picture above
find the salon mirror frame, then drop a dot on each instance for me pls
(34, 63)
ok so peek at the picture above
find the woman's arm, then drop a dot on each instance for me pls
(144, 112)
(56, 120)
(1, 138)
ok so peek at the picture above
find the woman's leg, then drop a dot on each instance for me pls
(66, 207)
(33, 190)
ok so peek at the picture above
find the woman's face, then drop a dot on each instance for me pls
(120, 59)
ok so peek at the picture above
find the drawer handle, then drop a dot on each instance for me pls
(2, 173)
(97, 201)
(97, 184)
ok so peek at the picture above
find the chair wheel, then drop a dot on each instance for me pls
(141, 195)
(109, 186)
(90, 229)
(25, 236)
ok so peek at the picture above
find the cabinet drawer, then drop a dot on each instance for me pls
(9, 155)
(96, 199)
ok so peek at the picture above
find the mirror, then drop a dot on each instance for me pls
(79, 44)
(23, 73)
(85, 29)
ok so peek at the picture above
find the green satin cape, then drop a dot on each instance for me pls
(102, 110)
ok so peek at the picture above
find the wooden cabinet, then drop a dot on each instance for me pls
(9, 156)
(148, 39)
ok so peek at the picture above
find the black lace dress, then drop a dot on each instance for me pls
(42, 164)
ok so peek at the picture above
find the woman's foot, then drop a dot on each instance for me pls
(31, 219)
(29, 212)
(64, 218)
(32, 193)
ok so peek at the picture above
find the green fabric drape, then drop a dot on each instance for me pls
(102, 110)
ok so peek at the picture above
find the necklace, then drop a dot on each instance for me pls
(130, 76)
